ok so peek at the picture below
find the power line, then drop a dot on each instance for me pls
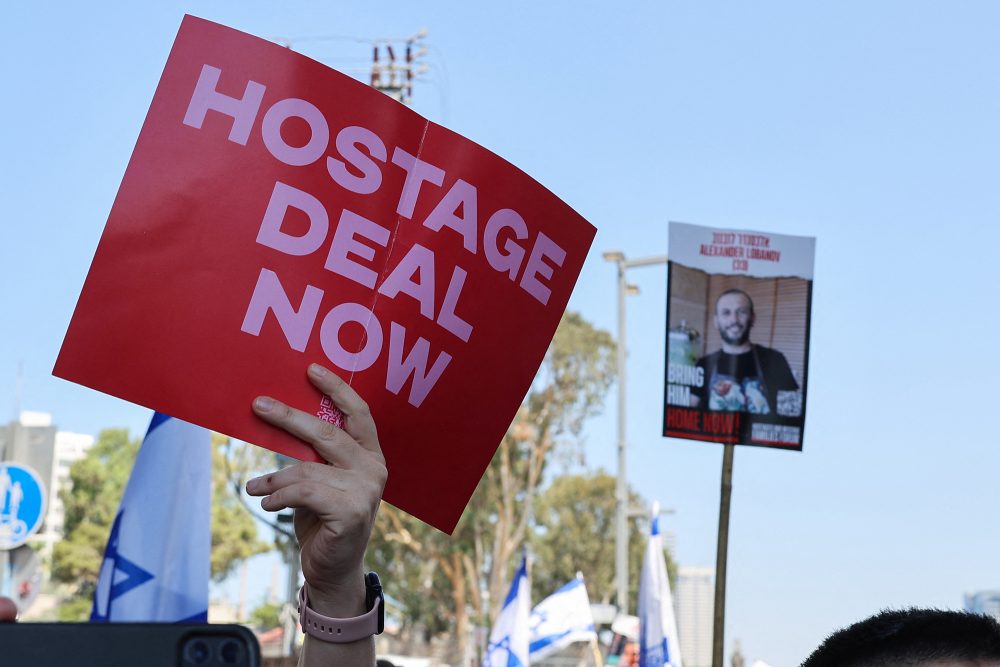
(393, 76)
(390, 73)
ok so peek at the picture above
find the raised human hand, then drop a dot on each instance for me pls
(335, 502)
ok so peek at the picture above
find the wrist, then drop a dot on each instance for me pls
(342, 598)
(317, 620)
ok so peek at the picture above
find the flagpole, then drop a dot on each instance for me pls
(721, 557)
(598, 660)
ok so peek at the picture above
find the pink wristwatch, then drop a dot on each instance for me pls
(345, 630)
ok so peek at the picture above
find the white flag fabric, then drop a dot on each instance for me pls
(561, 619)
(657, 626)
(508, 645)
(156, 564)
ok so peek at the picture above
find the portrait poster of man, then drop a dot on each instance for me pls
(737, 343)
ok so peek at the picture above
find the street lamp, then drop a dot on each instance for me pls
(613, 256)
(617, 257)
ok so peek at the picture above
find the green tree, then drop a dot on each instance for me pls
(91, 503)
(570, 387)
(575, 532)
(266, 616)
(97, 483)
(445, 576)
(234, 530)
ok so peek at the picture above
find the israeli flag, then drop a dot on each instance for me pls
(561, 619)
(508, 646)
(156, 564)
(657, 626)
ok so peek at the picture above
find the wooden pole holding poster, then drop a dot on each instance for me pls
(719, 621)
(716, 276)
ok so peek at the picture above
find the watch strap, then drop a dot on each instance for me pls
(338, 630)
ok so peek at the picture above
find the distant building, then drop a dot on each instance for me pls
(33, 441)
(694, 602)
(984, 602)
(223, 611)
(69, 448)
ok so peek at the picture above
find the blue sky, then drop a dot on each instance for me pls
(872, 126)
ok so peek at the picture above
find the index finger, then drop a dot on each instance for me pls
(358, 422)
(334, 445)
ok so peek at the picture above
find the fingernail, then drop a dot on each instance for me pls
(264, 403)
(317, 370)
(252, 484)
(264, 501)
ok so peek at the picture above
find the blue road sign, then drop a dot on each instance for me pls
(22, 504)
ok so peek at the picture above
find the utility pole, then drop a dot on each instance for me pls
(621, 489)
(393, 76)
(389, 74)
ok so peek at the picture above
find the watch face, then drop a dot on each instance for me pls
(373, 592)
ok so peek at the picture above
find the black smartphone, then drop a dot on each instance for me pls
(127, 645)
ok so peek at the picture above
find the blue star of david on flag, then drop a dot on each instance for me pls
(156, 563)
(561, 619)
(504, 646)
(508, 645)
(119, 575)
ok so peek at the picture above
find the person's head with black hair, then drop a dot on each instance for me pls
(912, 638)
(382, 662)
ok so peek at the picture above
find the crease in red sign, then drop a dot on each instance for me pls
(390, 246)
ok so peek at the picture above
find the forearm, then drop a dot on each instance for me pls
(335, 505)
(316, 652)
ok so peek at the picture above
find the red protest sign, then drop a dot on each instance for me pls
(275, 213)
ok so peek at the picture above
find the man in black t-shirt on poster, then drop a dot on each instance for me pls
(743, 376)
